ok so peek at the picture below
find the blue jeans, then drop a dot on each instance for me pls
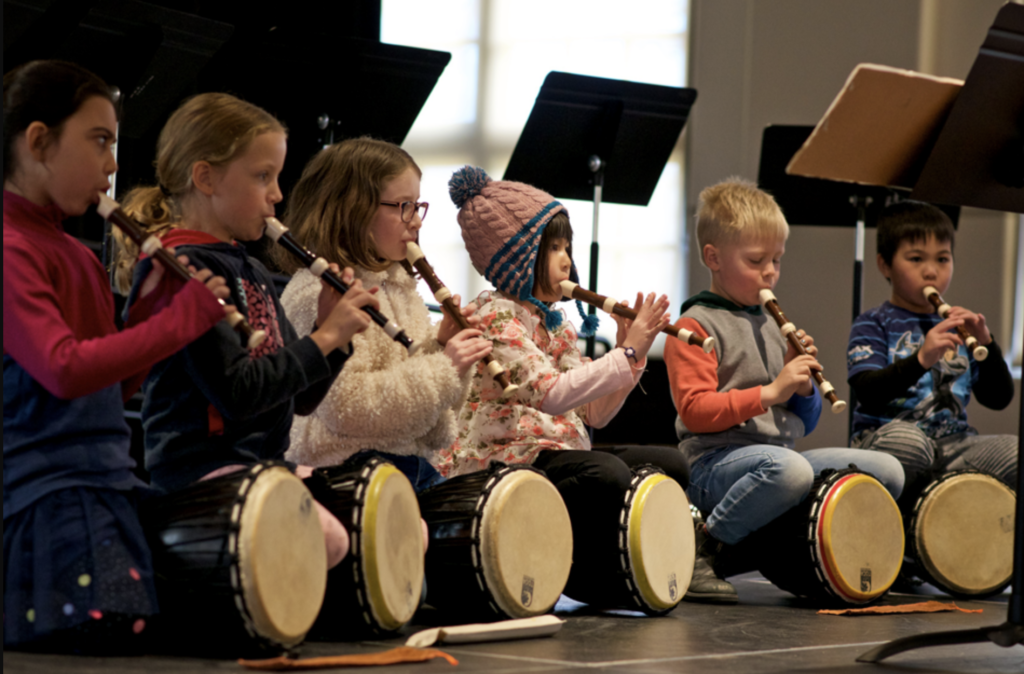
(416, 468)
(746, 487)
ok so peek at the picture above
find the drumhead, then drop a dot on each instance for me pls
(282, 557)
(858, 538)
(392, 547)
(963, 532)
(526, 544)
(661, 541)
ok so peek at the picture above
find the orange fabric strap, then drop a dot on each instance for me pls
(393, 657)
(215, 422)
(921, 607)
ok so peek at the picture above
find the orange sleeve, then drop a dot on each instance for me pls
(693, 377)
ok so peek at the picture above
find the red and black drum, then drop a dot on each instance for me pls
(649, 563)
(500, 544)
(377, 587)
(240, 561)
(842, 545)
(960, 534)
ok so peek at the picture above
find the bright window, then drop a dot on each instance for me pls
(501, 52)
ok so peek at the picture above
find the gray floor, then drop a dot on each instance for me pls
(769, 631)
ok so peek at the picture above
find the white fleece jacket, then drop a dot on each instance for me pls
(383, 399)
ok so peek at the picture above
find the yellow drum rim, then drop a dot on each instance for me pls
(825, 539)
(635, 547)
(373, 581)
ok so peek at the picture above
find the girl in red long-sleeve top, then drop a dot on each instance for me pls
(77, 572)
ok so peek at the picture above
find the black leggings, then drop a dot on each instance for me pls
(593, 484)
(586, 477)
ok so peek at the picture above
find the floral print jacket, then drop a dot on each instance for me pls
(514, 430)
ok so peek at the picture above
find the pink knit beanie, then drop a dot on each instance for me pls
(502, 223)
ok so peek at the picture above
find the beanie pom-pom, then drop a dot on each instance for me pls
(466, 183)
(590, 321)
(553, 320)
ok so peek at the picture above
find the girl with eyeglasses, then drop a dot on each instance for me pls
(357, 205)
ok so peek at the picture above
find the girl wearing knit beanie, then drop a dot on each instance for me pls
(520, 239)
(357, 204)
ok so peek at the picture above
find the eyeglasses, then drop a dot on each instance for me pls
(409, 208)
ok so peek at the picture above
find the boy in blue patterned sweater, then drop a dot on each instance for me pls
(911, 372)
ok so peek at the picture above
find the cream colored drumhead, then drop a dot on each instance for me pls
(392, 547)
(964, 533)
(661, 543)
(859, 538)
(526, 544)
(282, 556)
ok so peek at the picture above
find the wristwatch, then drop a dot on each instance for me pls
(631, 353)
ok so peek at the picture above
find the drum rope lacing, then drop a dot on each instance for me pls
(828, 478)
(233, 550)
(640, 473)
(476, 551)
(362, 482)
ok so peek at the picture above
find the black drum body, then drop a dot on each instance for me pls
(500, 544)
(377, 587)
(960, 535)
(843, 545)
(648, 564)
(240, 562)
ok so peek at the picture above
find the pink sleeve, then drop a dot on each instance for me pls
(602, 384)
(37, 336)
(693, 377)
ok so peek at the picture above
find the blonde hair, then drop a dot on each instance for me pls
(734, 210)
(215, 128)
(332, 207)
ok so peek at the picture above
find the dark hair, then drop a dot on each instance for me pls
(558, 228)
(47, 92)
(911, 221)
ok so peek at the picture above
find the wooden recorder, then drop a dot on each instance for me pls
(979, 352)
(789, 331)
(112, 212)
(414, 254)
(322, 269)
(611, 305)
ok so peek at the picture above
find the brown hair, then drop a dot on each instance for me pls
(736, 209)
(47, 92)
(331, 208)
(558, 228)
(215, 128)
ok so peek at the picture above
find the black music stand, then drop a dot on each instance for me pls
(823, 202)
(985, 127)
(151, 54)
(327, 89)
(586, 131)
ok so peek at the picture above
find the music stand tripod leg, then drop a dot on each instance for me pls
(1005, 635)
